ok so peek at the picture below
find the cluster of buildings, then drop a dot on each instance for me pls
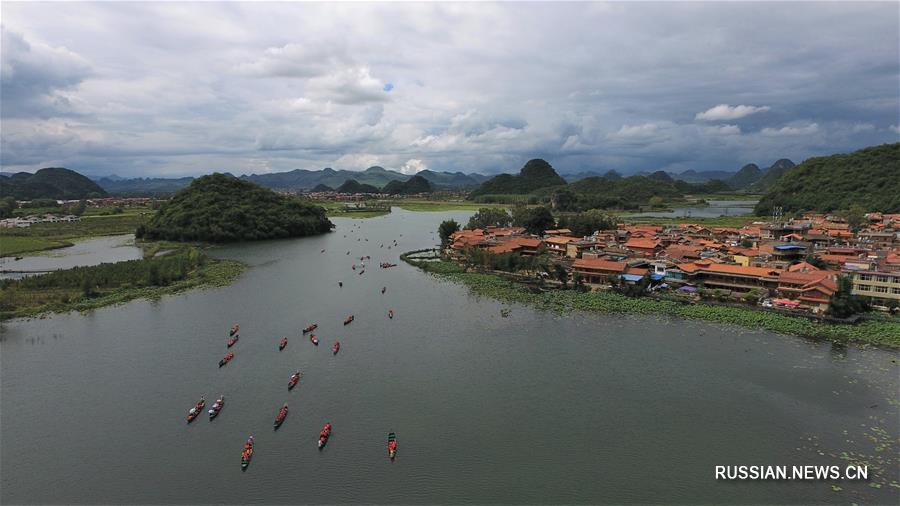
(793, 264)
(28, 221)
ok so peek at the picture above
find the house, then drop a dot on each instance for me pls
(575, 249)
(792, 284)
(644, 247)
(556, 244)
(881, 288)
(596, 270)
(734, 277)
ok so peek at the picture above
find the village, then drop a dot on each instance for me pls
(792, 265)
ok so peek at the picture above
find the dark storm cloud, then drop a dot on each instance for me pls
(171, 89)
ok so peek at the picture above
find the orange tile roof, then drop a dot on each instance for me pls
(642, 243)
(526, 242)
(740, 270)
(561, 240)
(600, 264)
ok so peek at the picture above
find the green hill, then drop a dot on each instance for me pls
(415, 184)
(354, 186)
(50, 183)
(772, 175)
(534, 175)
(221, 208)
(743, 178)
(869, 178)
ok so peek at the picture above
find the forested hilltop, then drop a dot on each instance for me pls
(49, 183)
(868, 178)
(222, 208)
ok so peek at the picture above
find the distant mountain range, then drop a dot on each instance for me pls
(50, 183)
(300, 180)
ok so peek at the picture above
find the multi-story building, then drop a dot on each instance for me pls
(881, 288)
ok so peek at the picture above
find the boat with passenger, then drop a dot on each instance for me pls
(247, 454)
(310, 328)
(313, 339)
(336, 347)
(233, 339)
(217, 407)
(282, 343)
(282, 413)
(295, 378)
(348, 319)
(234, 329)
(226, 358)
(324, 435)
(392, 445)
(196, 410)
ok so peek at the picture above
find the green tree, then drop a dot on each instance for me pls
(446, 229)
(561, 274)
(7, 206)
(538, 220)
(856, 217)
(844, 304)
(489, 217)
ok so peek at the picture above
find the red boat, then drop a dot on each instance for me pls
(336, 347)
(196, 410)
(392, 445)
(234, 329)
(313, 339)
(324, 435)
(348, 319)
(232, 340)
(310, 328)
(281, 415)
(247, 454)
(294, 379)
(282, 344)
(390, 313)
(226, 359)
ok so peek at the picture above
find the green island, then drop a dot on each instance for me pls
(46, 236)
(92, 287)
(872, 332)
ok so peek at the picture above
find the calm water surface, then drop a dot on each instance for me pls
(115, 248)
(529, 408)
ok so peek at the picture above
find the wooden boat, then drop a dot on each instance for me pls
(324, 435)
(282, 344)
(281, 416)
(232, 340)
(217, 407)
(310, 328)
(196, 410)
(226, 359)
(295, 378)
(390, 313)
(247, 454)
(336, 347)
(234, 329)
(392, 445)
(313, 339)
(383, 289)
(348, 319)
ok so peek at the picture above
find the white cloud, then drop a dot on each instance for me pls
(413, 166)
(729, 112)
(807, 129)
(643, 131)
(723, 130)
(895, 129)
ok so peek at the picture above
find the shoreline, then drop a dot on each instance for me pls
(869, 332)
(215, 273)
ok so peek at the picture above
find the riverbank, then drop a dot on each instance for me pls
(88, 288)
(45, 236)
(563, 301)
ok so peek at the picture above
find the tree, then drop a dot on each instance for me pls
(446, 229)
(844, 304)
(856, 217)
(489, 217)
(538, 220)
(561, 274)
(655, 201)
(588, 222)
(7, 205)
(564, 200)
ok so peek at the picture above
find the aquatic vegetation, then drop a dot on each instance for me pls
(884, 333)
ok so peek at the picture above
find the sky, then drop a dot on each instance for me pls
(174, 89)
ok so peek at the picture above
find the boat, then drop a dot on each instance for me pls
(282, 344)
(313, 339)
(226, 359)
(310, 328)
(324, 435)
(348, 319)
(391, 313)
(216, 407)
(247, 454)
(234, 329)
(336, 347)
(196, 410)
(232, 340)
(281, 415)
(383, 289)
(392, 445)
(295, 378)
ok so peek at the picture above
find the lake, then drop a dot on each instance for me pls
(535, 407)
(715, 209)
(115, 248)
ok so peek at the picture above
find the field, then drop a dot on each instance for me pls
(43, 236)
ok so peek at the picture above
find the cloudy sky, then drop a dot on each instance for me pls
(171, 89)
